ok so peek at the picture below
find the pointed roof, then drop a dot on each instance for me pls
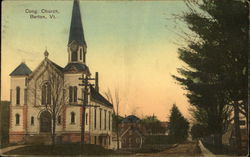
(76, 29)
(21, 70)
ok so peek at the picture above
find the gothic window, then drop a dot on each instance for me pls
(46, 94)
(72, 117)
(17, 119)
(72, 94)
(18, 95)
(86, 119)
(81, 54)
(105, 119)
(95, 119)
(32, 120)
(74, 56)
(59, 120)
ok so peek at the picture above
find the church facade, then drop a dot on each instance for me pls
(51, 97)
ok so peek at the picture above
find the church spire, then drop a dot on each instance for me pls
(77, 47)
(76, 29)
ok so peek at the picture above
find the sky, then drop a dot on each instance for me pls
(132, 44)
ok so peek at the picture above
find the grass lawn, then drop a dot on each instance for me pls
(61, 149)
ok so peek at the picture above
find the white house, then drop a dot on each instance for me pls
(32, 91)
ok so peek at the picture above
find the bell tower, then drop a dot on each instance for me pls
(77, 47)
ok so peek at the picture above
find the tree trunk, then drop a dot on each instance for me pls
(237, 128)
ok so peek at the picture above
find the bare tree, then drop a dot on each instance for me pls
(51, 95)
(115, 100)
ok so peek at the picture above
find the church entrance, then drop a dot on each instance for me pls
(45, 122)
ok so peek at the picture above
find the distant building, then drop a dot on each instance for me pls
(132, 132)
(31, 93)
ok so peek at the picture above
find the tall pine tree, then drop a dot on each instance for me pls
(216, 55)
(178, 125)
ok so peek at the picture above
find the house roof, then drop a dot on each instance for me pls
(76, 29)
(21, 70)
(95, 95)
(131, 119)
(76, 67)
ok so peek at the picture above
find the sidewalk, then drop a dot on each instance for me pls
(206, 153)
(4, 150)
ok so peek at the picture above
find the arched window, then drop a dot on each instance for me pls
(18, 95)
(59, 120)
(46, 94)
(17, 119)
(74, 56)
(86, 119)
(32, 120)
(81, 54)
(72, 117)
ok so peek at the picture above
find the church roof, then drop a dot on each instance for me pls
(57, 66)
(98, 97)
(21, 70)
(76, 67)
(131, 119)
(76, 29)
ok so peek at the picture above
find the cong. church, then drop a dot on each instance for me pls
(32, 92)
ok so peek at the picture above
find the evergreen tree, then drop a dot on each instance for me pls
(216, 55)
(178, 125)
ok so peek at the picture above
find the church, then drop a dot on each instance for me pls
(50, 98)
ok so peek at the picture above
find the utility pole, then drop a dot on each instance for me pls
(85, 103)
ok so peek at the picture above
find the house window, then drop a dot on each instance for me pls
(95, 119)
(32, 120)
(59, 120)
(17, 119)
(72, 115)
(72, 94)
(109, 140)
(18, 95)
(86, 119)
(95, 139)
(46, 94)
(100, 119)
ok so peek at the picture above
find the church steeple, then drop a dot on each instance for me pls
(76, 45)
(76, 29)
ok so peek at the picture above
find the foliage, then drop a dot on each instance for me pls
(198, 131)
(178, 125)
(216, 55)
(153, 125)
(116, 119)
(4, 122)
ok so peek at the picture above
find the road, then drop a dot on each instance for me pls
(187, 149)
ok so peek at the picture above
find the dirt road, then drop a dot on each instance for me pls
(187, 149)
